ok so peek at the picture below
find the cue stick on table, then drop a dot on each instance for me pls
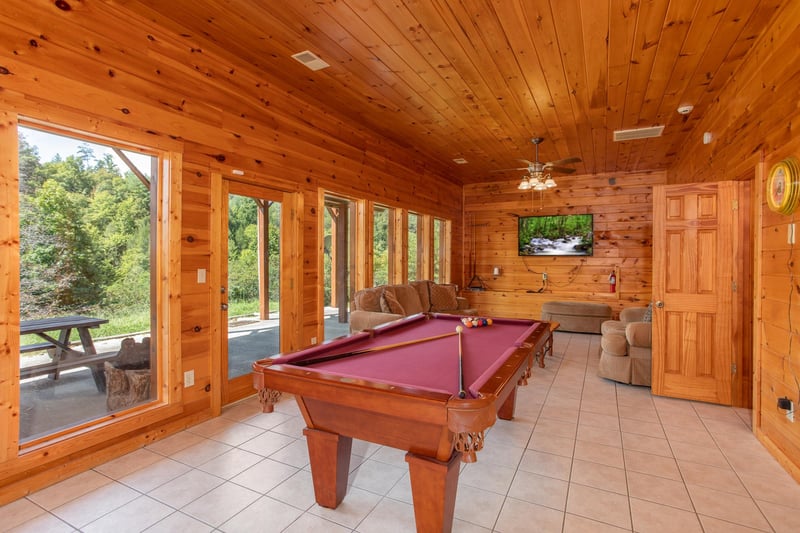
(370, 350)
(461, 392)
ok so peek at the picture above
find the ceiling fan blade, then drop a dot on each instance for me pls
(509, 169)
(529, 163)
(562, 170)
(567, 161)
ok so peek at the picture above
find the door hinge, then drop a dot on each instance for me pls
(735, 205)
(733, 369)
(734, 286)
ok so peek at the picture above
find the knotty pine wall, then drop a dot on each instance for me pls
(96, 68)
(621, 205)
(754, 125)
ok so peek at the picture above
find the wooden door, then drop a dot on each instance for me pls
(695, 280)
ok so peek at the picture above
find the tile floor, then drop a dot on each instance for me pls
(583, 454)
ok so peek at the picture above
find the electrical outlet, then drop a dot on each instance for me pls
(313, 340)
(201, 275)
(544, 276)
(188, 378)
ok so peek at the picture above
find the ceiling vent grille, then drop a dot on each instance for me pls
(311, 60)
(639, 133)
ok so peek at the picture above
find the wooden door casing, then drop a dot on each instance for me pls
(695, 244)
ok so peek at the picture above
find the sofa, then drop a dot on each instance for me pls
(377, 305)
(577, 317)
(625, 347)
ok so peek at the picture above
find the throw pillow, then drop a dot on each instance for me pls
(648, 313)
(369, 299)
(443, 297)
(389, 304)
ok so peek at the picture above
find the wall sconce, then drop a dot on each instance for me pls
(496, 271)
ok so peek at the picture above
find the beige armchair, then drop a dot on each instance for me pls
(625, 344)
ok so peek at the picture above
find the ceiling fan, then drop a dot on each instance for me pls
(536, 178)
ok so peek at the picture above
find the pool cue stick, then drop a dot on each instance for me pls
(370, 350)
(461, 392)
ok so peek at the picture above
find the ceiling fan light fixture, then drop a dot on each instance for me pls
(524, 185)
(550, 182)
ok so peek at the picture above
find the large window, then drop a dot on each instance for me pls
(382, 248)
(86, 290)
(414, 247)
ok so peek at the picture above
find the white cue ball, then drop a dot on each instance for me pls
(459, 329)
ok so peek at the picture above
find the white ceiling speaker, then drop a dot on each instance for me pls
(685, 109)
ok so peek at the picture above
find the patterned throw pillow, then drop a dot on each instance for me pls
(648, 313)
(389, 304)
(443, 297)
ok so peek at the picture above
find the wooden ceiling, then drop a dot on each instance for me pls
(477, 79)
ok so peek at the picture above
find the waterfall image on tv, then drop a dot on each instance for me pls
(556, 235)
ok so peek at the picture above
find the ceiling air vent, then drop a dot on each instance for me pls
(639, 133)
(311, 60)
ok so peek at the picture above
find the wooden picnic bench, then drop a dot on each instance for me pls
(56, 334)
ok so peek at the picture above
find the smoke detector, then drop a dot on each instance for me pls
(685, 109)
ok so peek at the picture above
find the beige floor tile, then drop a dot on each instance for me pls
(599, 420)
(43, 522)
(178, 521)
(604, 436)
(129, 463)
(478, 506)
(726, 506)
(200, 453)
(185, 488)
(522, 517)
(546, 464)
(267, 443)
(148, 478)
(633, 412)
(599, 476)
(645, 444)
(781, 490)
(640, 427)
(175, 443)
(597, 453)
(253, 518)
(391, 515)
(356, 505)
(496, 453)
(691, 435)
(655, 465)
(132, 517)
(264, 476)
(557, 428)
(650, 517)
(221, 503)
(379, 478)
(578, 524)
(481, 475)
(237, 434)
(297, 491)
(781, 518)
(659, 490)
(19, 512)
(600, 505)
(706, 455)
(724, 479)
(563, 446)
(91, 506)
(714, 525)
(230, 463)
(64, 491)
(309, 523)
(541, 490)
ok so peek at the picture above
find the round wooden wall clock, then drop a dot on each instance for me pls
(783, 186)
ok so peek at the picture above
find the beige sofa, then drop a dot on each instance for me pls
(625, 348)
(578, 317)
(377, 305)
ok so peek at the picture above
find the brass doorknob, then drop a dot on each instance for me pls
(659, 304)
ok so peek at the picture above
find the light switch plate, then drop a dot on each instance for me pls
(188, 378)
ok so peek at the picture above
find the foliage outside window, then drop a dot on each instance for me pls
(413, 246)
(382, 236)
(85, 247)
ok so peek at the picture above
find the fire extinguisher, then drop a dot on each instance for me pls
(612, 282)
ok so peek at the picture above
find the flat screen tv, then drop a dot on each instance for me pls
(556, 235)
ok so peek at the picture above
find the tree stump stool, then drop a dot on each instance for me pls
(128, 375)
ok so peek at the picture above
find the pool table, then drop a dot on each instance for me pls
(398, 385)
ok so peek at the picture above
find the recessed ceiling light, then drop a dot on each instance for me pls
(460, 161)
(311, 60)
(638, 133)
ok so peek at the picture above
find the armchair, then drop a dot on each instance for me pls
(625, 344)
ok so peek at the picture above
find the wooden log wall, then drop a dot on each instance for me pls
(99, 69)
(754, 125)
(621, 205)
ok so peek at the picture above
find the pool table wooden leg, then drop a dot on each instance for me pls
(506, 411)
(433, 488)
(329, 454)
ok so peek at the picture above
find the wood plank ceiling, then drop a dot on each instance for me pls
(477, 79)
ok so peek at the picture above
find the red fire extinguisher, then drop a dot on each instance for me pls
(612, 282)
